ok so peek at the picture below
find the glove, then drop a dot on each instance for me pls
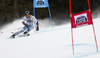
(24, 23)
(37, 28)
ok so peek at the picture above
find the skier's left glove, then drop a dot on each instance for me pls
(37, 28)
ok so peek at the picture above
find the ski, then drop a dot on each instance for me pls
(20, 35)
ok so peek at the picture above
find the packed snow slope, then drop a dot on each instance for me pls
(50, 42)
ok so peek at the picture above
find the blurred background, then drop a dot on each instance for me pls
(14, 9)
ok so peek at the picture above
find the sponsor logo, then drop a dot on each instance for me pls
(81, 19)
(40, 6)
(40, 2)
(82, 25)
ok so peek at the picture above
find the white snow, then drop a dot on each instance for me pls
(50, 43)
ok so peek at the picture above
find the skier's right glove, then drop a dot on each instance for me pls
(24, 23)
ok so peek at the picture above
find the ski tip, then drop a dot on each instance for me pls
(12, 37)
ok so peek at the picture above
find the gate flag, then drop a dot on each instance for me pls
(41, 3)
(81, 19)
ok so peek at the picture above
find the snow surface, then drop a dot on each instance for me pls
(50, 42)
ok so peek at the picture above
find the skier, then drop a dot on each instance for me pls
(28, 21)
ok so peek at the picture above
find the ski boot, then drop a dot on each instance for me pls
(26, 34)
(13, 36)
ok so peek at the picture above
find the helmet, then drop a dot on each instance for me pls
(27, 13)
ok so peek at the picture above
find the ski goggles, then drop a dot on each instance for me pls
(27, 16)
